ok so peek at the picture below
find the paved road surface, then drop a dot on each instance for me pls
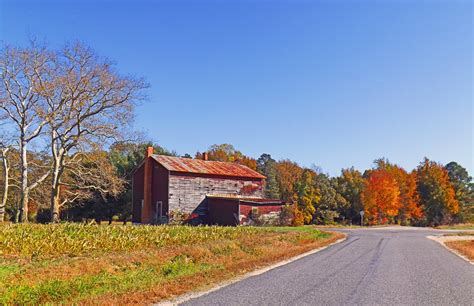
(392, 266)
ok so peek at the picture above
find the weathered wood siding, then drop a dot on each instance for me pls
(187, 192)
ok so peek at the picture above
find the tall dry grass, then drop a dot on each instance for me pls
(36, 240)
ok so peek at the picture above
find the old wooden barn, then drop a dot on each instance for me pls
(212, 192)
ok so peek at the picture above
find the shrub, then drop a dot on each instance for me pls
(298, 216)
(177, 217)
(286, 215)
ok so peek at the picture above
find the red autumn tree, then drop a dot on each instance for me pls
(410, 209)
(380, 197)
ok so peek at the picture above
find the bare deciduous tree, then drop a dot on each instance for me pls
(89, 175)
(89, 103)
(22, 71)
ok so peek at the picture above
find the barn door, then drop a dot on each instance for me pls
(159, 212)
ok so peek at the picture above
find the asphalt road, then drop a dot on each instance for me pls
(392, 266)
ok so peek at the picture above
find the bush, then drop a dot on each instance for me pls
(178, 217)
(325, 216)
(43, 215)
(286, 215)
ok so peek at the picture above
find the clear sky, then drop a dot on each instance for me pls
(330, 83)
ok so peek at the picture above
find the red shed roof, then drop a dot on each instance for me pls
(245, 199)
(199, 166)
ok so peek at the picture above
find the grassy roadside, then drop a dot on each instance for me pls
(465, 247)
(72, 263)
(461, 234)
(461, 226)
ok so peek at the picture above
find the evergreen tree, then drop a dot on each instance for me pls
(464, 191)
(266, 165)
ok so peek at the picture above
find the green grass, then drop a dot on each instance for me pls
(75, 289)
(6, 269)
(308, 232)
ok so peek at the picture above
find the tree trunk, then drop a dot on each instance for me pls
(55, 189)
(24, 184)
(58, 164)
(5, 185)
(55, 204)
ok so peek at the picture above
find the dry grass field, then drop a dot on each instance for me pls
(465, 247)
(73, 263)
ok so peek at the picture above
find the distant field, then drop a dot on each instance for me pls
(73, 263)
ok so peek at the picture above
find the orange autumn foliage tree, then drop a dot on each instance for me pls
(227, 153)
(380, 197)
(410, 210)
(437, 195)
(288, 174)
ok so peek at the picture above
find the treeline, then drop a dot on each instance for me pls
(64, 118)
(431, 194)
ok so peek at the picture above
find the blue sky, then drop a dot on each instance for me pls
(330, 83)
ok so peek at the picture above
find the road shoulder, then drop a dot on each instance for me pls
(444, 239)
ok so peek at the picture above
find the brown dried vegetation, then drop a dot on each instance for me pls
(465, 247)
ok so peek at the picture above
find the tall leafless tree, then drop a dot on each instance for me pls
(23, 73)
(89, 103)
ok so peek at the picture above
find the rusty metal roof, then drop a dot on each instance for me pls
(199, 166)
(234, 197)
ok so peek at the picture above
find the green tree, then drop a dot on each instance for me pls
(266, 165)
(350, 185)
(126, 156)
(330, 204)
(464, 191)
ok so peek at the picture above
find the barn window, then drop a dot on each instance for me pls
(159, 209)
(254, 215)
